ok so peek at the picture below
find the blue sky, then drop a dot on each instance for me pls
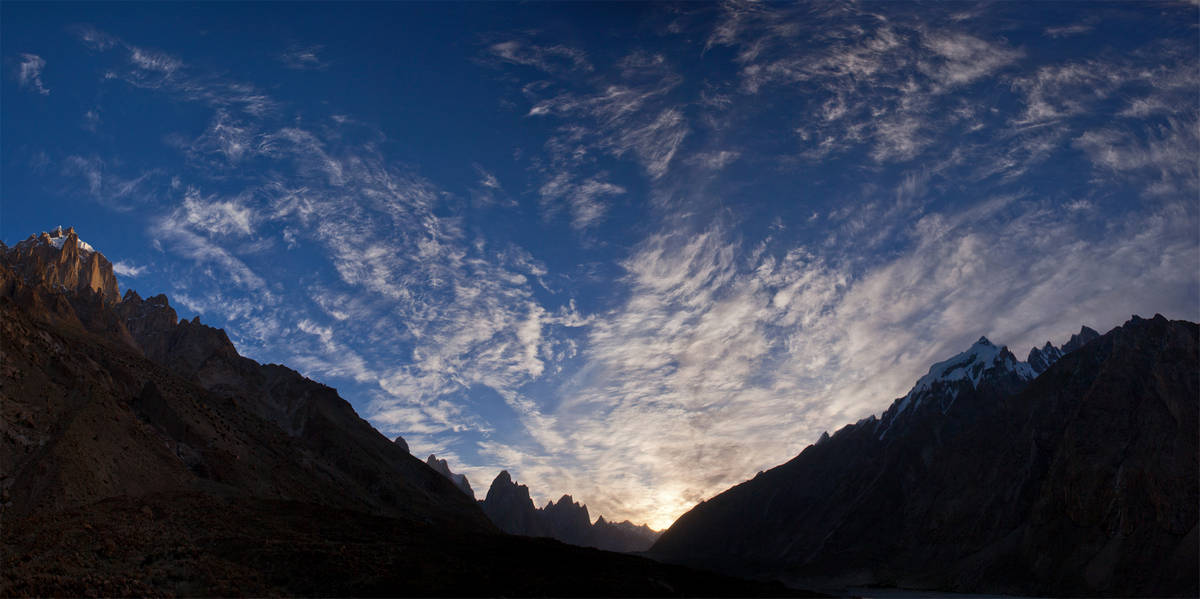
(631, 252)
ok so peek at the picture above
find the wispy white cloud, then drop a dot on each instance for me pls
(487, 179)
(583, 199)
(153, 69)
(91, 120)
(303, 58)
(29, 73)
(107, 187)
(556, 59)
(214, 216)
(865, 79)
(175, 235)
(1167, 153)
(716, 160)
(626, 112)
(1068, 30)
(128, 269)
(960, 59)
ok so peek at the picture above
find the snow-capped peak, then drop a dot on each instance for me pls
(58, 237)
(969, 366)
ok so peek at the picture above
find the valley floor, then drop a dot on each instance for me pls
(202, 545)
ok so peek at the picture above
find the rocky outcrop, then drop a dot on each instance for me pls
(442, 467)
(510, 507)
(1041, 358)
(59, 260)
(1083, 481)
(567, 521)
(1083, 337)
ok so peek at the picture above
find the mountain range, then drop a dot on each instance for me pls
(510, 508)
(1074, 473)
(142, 455)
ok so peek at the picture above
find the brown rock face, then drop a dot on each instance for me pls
(1085, 481)
(60, 260)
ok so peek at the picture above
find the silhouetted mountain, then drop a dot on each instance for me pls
(510, 507)
(568, 521)
(143, 456)
(443, 468)
(1083, 481)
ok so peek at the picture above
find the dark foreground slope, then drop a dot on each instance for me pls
(201, 544)
(1081, 482)
(143, 456)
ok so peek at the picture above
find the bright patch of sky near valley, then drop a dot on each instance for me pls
(634, 253)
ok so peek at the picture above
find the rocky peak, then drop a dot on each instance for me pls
(946, 380)
(1041, 359)
(443, 467)
(969, 366)
(510, 508)
(1078, 340)
(969, 369)
(60, 260)
(568, 521)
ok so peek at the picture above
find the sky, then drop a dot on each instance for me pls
(631, 252)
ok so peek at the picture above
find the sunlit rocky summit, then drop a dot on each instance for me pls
(59, 259)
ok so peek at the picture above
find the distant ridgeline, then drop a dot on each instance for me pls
(510, 507)
(1074, 473)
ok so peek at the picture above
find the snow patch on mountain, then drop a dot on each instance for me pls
(945, 378)
(58, 237)
(970, 366)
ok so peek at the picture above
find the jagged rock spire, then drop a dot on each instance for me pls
(61, 260)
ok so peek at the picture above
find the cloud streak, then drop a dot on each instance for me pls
(29, 73)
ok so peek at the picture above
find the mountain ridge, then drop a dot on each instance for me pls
(1082, 480)
(510, 507)
(153, 459)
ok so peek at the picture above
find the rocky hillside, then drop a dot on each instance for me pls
(510, 507)
(142, 455)
(990, 477)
